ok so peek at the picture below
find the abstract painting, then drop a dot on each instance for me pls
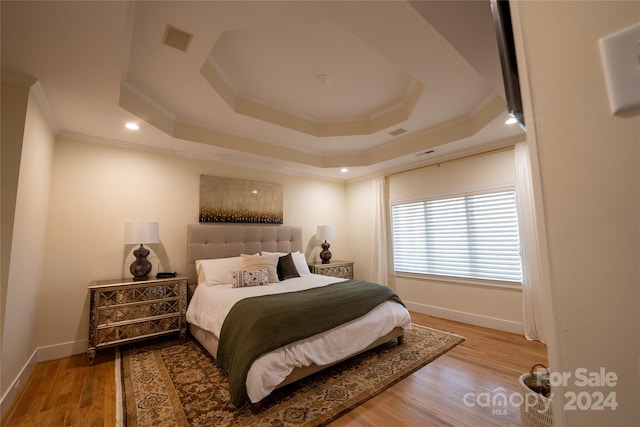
(234, 200)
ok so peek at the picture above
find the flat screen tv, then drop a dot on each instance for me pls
(506, 49)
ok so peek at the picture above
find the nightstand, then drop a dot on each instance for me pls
(125, 310)
(342, 269)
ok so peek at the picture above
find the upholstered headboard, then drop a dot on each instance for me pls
(206, 241)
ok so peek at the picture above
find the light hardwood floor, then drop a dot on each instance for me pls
(68, 392)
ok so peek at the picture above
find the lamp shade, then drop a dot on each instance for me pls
(325, 232)
(141, 232)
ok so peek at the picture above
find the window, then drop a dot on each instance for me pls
(472, 236)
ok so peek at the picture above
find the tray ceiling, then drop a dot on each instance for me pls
(299, 87)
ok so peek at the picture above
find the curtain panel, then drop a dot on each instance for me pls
(532, 292)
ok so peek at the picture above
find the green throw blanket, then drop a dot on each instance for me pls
(257, 325)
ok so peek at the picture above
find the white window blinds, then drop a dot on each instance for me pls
(473, 236)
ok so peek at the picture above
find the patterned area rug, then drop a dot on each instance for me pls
(168, 383)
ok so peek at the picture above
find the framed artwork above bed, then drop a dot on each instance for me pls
(231, 200)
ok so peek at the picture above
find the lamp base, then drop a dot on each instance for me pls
(325, 255)
(141, 267)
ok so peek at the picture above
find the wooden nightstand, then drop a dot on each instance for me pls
(125, 310)
(343, 269)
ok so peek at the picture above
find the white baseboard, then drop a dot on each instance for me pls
(58, 351)
(12, 392)
(40, 354)
(119, 400)
(471, 318)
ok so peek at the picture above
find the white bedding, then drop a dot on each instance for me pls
(210, 305)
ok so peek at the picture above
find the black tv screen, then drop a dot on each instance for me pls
(506, 49)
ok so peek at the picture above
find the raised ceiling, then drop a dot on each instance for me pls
(271, 73)
(298, 86)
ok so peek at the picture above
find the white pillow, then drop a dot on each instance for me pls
(301, 263)
(217, 271)
(268, 262)
(274, 253)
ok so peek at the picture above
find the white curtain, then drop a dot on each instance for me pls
(379, 264)
(532, 293)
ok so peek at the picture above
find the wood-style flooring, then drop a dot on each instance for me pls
(450, 391)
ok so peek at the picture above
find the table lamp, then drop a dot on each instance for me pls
(139, 233)
(325, 232)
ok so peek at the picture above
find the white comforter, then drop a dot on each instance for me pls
(210, 305)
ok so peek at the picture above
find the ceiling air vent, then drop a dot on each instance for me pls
(177, 38)
(397, 132)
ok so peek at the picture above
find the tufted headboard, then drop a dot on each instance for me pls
(206, 241)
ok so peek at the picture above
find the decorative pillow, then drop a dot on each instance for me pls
(244, 278)
(274, 253)
(217, 271)
(286, 268)
(301, 263)
(256, 262)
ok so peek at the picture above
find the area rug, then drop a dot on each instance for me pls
(169, 383)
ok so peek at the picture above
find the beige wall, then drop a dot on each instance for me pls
(589, 164)
(97, 188)
(26, 256)
(14, 111)
(359, 214)
(490, 306)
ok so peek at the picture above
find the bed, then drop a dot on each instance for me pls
(213, 251)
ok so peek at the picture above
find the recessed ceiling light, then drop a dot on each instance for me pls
(132, 126)
(511, 121)
(322, 77)
(344, 170)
